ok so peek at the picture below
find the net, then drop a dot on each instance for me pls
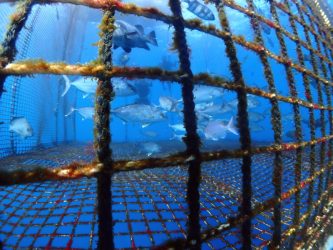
(78, 196)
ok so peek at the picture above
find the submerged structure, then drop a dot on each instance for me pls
(59, 193)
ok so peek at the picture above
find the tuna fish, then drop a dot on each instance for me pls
(85, 112)
(140, 113)
(128, 36)
(216, 130)
(206, 93)
(21, 126)
(168, 103)
(89, 86)
(86, 85)
(199, 9)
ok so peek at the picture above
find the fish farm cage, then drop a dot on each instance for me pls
(58, 193)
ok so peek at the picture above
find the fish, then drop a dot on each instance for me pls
(200, 10)
(204, 93)
(87, 113)
(168, 64)
(150, 148)
(89, 86)
(140, 113)
(124, 58)
(217, 129)
(86, 85)
(21, 126)
(169, 104)
(122, 88)
(143, 91)
(1, 123)
(177, 127)
(129, 36)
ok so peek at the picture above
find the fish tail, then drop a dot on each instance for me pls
(231, 126)
(152, 38)
(70, 111)
(68, 85)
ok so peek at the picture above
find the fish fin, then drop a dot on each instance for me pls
(127, 50)
(85, 96)
(231, 126)
(145, 125)
(140, 28)
(68, 85)
(152, 38)
(70, 111)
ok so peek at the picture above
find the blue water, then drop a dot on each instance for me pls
(45, 36)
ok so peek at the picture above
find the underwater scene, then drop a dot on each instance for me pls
(156, 124)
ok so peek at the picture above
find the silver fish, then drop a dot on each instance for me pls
(140, 113)
(168, 103)
(199, 9)
(21, 126)
(216, 130)
(178, 127)
(150, 148)
(85, 112)
(89, 86)
(122, 88)
(204, 93)
(128, 36)
(86, 85)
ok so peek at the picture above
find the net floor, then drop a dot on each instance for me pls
(149, 207)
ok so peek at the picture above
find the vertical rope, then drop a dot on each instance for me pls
(277, 128)
(243, 123)
(308, 94)
(293, 92)
(8, 47)
(321, 187)
(102, 139)
(192, 139)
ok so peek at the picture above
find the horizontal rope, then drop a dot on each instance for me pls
(42, 67)
(196, 24)
(78, 170)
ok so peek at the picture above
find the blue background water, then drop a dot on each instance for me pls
(37, 98)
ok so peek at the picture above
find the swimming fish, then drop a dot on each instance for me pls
(21, 126)
(199, 9)
(85, 112)
(204, 93)
(89, 86)
(128, 36)
(168, 103)
(140, 113)
(122, 88)
(177, 127)
(86, 85)
(150, 148)
(124, 58)
(216, 130)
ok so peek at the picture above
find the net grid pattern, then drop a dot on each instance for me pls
(272, 219)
